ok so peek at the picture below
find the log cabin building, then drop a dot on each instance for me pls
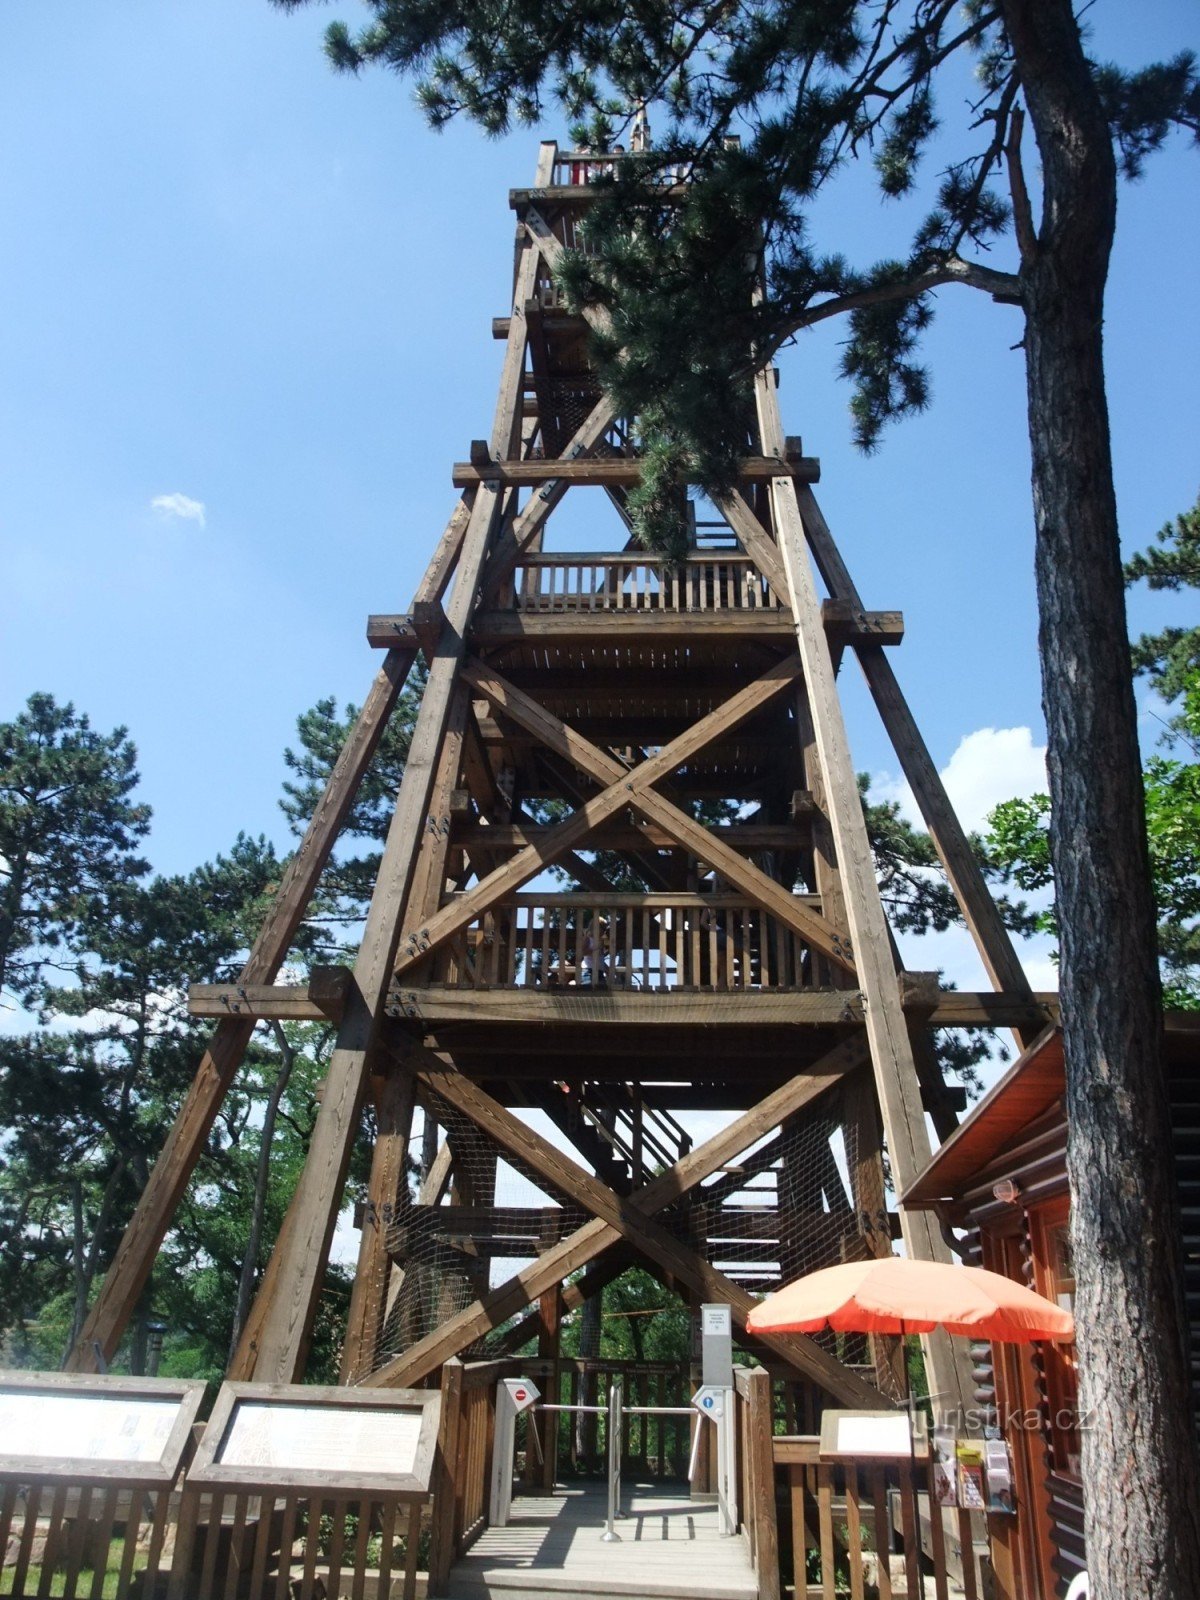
(1000, 1182)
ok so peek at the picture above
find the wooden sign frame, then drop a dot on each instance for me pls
(831, 1420)
(188, 1394)
(208, 1471)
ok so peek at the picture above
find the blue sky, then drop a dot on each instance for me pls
(230, 279)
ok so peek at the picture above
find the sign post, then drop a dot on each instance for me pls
(513, 1396)
(715, 1400)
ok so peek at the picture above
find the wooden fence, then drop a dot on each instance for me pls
(627, 941)
(725, 581)
(845, 1519)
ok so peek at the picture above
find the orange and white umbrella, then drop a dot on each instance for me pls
(896, 1295)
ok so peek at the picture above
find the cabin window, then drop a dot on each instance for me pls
(1056, 1275)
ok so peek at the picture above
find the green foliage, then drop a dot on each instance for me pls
(106, 955)
(68, 836)
(345, 888)
(640, 1321)
(1171, 657)
(1018, 841)
(765, 103)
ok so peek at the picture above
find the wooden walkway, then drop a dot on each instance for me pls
(670, 1546)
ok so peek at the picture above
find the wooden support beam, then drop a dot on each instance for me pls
(896, 1083)
(428, 619)
(169, 1178)
(631, 1220)
(632, 786)
(277, 1347)
(490, 629)
(291, 1287)
(979, 910)
(615, 472)
(662, 1010)
(387, 1185)
(846, 624)
(321, 999)
(620, 835)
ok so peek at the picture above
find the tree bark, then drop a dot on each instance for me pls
(1139, 1450)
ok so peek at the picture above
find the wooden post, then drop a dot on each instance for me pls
(303, 1247)
(388, 1183)
(891, 1053)
(979, 910)
(549, 1324)
(864, 1155)
(446, 1491)
(760, 1461)
(126, 1277)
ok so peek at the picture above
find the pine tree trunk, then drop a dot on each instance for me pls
(1139, 1448)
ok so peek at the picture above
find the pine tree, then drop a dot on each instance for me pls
(68, 835)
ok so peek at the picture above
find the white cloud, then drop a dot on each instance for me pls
(989, 765)
(179, 506)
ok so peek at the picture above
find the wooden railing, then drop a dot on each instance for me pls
(598, 582)
(844, 1517)
(627, 941)
(92, 1540)
(756, 1472)
(573, 167)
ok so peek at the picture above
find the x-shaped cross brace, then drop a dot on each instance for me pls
(631, 1219)
(628, 787)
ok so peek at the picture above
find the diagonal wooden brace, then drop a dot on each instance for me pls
(517, 539)
(629, 787)
(629, 1219)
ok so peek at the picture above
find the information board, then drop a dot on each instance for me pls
(105, 1429)
(368, 1441)
(869, 1435)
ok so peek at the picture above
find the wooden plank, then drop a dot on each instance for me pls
(757, 1444)
(799, 1530)
(130, 1269)
(441, 1538)
(896, 1082)
(103, 1543)
(617, 472)
(854, 1532)
(883, 1532)
(980, 912)
(492, 629)
(847, 623)
(663, 1009)
(632, 1218)
(910, 1529)
(286, 1540)
(825, 1522)
(321, 999)
(387, 1183)
(387, 1546)
(78, 1534)
(412, 1550)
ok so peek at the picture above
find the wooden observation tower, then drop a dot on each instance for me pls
(670, 737)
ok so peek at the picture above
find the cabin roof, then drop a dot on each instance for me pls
(1029, 1089)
